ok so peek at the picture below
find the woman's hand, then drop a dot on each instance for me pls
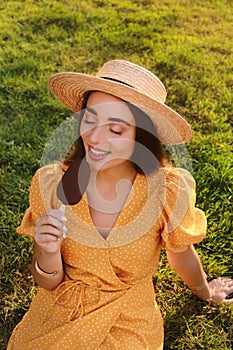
(220, 288)
(50, 231)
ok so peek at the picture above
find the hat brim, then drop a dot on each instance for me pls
(70, 87)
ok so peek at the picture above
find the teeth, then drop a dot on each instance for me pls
(98, 153)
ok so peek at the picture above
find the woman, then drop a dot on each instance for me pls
(94, 263)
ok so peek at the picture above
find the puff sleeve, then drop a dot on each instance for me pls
(182, 223)
(42, 197)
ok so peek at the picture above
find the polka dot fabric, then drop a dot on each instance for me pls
(106, 300)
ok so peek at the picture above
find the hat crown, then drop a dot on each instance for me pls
(134, 76)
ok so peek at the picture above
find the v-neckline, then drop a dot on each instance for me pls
(115, 225)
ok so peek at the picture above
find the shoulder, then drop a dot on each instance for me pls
(51, 169)
(171, 178)
(178, 177)
(175, 188)
(44, 183)
(49, 172)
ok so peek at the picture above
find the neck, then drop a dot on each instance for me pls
(111, 185)
(113, 175)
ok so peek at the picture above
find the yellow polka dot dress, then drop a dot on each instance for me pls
(107, 300)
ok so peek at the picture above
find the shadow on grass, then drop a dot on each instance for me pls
(175, 325)
(14, 302)
(206, 327)
(7, 325)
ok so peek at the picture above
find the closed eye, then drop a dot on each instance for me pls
(115, 128)
(115, 132)
(89, 122)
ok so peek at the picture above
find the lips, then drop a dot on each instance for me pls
(96, 153)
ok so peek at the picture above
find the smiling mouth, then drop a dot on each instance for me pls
(97, 153)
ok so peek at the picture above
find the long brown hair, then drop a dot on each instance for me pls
(148, 154)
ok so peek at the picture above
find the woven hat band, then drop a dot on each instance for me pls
(117, 81)
(134, 76)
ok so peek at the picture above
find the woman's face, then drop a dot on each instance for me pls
(108, 131)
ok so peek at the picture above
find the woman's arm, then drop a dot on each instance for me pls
(188, 266)
(47, 266)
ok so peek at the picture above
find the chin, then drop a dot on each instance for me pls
(113, 164)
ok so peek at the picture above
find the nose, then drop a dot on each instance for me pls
(96, 135)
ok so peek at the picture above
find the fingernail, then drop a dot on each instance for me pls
(63, 218)
(64, 231)
(62, 208)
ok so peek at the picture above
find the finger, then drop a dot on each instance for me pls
(221, 282)
(48, 220)
(51, 220)
(58, 214)
(229, 290)
(227, 281)
(228, 285)
(47, 228)
(54, 217)
(228, 301)
(46, 238)
(40, 232)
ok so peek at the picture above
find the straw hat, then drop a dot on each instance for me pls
(130, 83)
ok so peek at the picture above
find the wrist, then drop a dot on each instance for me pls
(46, 254)
(200, 287)
(48, 264)
(202, 291)
(42, 272)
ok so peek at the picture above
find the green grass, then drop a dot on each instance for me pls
(188, 44)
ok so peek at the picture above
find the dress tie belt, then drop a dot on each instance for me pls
(73, 285)
(62, 297)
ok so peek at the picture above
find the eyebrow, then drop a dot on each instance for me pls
(119, 120)
(91, 110)
(111, 119)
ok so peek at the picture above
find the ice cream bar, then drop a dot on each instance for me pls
(74, 182)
